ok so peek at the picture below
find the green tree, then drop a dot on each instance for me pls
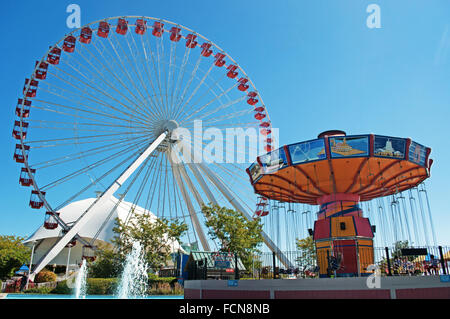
(156, 236)
(235, 232)
(398, 246)
(108, 264)
(308, 256)
(13, 254)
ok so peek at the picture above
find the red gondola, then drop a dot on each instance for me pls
(25, 179)
(268, 140)
(54, 56)
(50, 220)
(103, 29)
(219, 59)
(264, 124)
(16, 133)
(141, 26)
(86, 35)
(122, 27)
(260, 116)
(35, 201)
(69, 44)
(190, 41)
(158, 29)
(265, 131)
(31, 92)
(25, 111)
(41, 71)
(243, 84)
(18, 156)
(175, 34)
(232, 73)
(259, 109)
(252, 100)
(268, 148)
(206, 51)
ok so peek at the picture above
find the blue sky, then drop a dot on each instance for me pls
(316, 64)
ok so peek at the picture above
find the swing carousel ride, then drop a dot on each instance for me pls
(338, 172)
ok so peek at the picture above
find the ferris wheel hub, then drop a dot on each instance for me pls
(165, 126)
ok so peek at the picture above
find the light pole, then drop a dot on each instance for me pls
(68, 259)
(31, 263)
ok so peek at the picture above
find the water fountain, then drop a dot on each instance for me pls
(80, 283)
(134, 279)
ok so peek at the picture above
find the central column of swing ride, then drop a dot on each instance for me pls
(161, 132)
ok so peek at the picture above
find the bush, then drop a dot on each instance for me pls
(101, 286)
(39, 290)
(45, 276)
(164, 288)
(154, 279)
(62, 289)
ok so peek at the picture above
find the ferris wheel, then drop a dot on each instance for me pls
(99, 112)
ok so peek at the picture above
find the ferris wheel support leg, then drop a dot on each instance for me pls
(89, 213)
(225, 191)
(198, 229)
(202, 183)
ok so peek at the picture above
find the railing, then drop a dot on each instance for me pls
(397, 264)
(11, 286)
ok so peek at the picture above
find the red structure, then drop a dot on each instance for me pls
(337, 171)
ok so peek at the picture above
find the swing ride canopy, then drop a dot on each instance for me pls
(367, 166)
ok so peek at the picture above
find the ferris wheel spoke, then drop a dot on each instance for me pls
(77, 138)
(122, 64)
(82, 97)
(148, 204)
(133, 181)
(85, 153)
(154, 182)
(90, 166)
(207, 92)
(180, 76)
(230, 116)
(136, 68)
(107, 173)
(118, 79)
(155, 110)
(111, 125)
(182, 106)
(102, 79)
(65, 144)
(222, 107)
(179, 100)
(200, 109)
(109, 84)
(94, 85)
(158, 105)
(75, 115)
(160, 59)
(162, 106)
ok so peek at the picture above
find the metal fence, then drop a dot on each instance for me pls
(392, 261)
(11, 286)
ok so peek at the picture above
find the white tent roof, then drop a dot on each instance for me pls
(101, 219)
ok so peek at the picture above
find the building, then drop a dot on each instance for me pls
(99, 230)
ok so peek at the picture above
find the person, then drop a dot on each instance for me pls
(434, 265)
(23, 282)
